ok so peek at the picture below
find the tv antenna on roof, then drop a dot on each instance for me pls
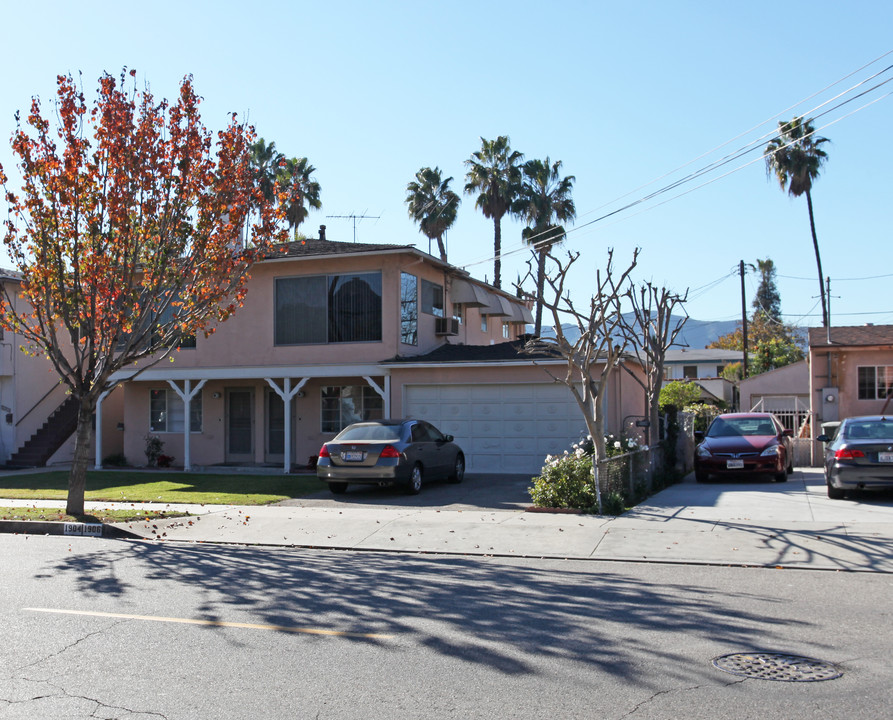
(355, 218)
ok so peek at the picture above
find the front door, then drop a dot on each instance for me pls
(275, 430)
(239, 425)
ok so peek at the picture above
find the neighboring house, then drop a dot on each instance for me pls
(339, 332)
(851, 370)
(704, 366)
(784, 391)
(37, 418)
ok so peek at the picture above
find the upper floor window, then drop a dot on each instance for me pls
(690, 372)
(409, 309)
(875, 382)
(507, 330)
(432, 298)
(167, 412)
(484, 327)
(164, 318)
(328, 309)
(459, 312)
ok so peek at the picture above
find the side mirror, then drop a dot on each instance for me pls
(699, 435)
(824, 438)
(448, 438)
(788, 433)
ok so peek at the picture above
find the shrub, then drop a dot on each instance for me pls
(565, 481)
(115, 460)
(165, 460)
(154, 445)
(613, 503)
(619, 446)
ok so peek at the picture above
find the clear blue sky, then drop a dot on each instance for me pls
(623, 93)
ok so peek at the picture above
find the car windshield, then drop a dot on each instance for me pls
(385, 433)
(869, 429)
(732, 427)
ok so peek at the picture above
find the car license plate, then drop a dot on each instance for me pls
(885, 457)
(735, 464)
(352, 456)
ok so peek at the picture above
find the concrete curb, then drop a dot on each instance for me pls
(71, 529)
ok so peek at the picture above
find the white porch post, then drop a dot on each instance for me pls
(287, 393)
(186, 396)
(385, 394)
(98, 437)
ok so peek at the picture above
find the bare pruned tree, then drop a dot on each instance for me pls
(597, 352)
(650, 330)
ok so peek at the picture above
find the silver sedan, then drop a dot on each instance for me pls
(387, 452)
(860, 456)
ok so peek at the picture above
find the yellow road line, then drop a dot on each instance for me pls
(215, 623)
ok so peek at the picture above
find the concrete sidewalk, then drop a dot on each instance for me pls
(791, 525)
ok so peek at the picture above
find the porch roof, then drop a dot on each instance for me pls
(258, 372)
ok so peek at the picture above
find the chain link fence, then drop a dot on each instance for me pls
(631, 474)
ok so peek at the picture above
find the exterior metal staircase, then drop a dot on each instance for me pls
(41, 446)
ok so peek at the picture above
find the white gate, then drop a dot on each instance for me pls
(794, 414)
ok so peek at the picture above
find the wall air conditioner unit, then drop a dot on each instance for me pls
(446, 326)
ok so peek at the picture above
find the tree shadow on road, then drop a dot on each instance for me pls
(504, 615)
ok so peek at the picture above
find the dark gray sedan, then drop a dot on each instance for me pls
(860, 456)
(388, 452)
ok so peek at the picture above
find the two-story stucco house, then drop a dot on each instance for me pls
(335, 332)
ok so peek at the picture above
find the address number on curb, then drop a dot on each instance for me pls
(92, 529)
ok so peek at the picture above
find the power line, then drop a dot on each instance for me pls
(750, 147)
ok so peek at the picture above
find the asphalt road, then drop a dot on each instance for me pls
(97, 628)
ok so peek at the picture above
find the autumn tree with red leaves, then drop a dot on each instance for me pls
(127, 234)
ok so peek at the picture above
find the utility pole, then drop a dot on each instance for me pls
(828, 317)
(355, 218)
(743, 321)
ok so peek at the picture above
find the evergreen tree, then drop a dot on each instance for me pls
(767, 301)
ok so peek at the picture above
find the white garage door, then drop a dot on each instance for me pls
(501, 428)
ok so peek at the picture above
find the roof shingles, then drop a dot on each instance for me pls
(852, 336)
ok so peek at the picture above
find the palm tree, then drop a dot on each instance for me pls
(545, 197)
(265, 165)
(796, 158)
(432, 205)
(495, 174)
(301, 189)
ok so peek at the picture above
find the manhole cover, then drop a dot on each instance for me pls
(776, 666)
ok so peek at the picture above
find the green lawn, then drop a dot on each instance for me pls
(163, 487)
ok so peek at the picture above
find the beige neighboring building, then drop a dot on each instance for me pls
(36, 416)
(783, 390)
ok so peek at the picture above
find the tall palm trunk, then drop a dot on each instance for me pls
(818, 261)
(77, 478)
(540, 286)
(497, 252)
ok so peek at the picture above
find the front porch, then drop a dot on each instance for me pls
(236, 417)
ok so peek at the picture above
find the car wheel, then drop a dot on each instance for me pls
(458, 470)
(835, 493)
(415, 481)
(790, 468)
(338, 488)
(782, 476)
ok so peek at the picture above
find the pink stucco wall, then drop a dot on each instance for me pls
(844, 364)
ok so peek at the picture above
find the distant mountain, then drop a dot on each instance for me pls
(694, 334)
